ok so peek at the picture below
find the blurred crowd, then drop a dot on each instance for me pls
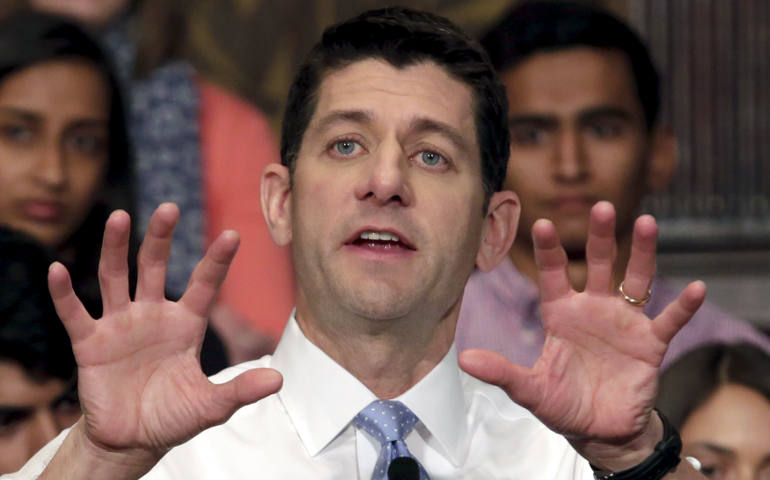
(101, 109)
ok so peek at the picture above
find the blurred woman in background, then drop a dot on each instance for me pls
(203, 148)
(718, 396)
(65, 159)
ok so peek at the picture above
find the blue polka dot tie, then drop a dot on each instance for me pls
(388, 422)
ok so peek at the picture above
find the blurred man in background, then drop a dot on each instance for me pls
(584, 106)
(38, 394)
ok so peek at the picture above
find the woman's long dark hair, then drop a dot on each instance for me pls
(690, 381)
(28, 38)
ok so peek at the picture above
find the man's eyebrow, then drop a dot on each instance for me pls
(341, 116)
(10, 414)
(428, 125)
(532, 120)
(599, 113)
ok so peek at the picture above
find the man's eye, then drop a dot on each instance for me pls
(16, 133)
(346, 147)
(527, 136)
(430, 159)
(10, 417)
(605, 130)
(68, 401)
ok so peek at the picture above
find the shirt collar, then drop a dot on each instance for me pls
(321, 397)
(439, 402)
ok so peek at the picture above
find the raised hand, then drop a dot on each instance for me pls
(596, 379)
(139, 377)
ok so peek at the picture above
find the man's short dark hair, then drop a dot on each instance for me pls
(31, 334)
(539, 27)
(404, 37)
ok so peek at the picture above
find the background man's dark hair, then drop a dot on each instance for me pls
(538, 27)
(690, 381)
(31, 334)
(404, 37)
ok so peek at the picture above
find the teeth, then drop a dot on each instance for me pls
(384, 236)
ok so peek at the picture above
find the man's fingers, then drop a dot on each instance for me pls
(210, 273)
(154, 253)
(244, 389)
(641, 265)
(551, 261)
(601, 248)
(73, 315)
(491, 367)
(679, 312)
(113, 263)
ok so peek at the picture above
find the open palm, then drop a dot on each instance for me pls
(140, 382)
(596, 379)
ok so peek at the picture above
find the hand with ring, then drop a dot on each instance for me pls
(596, 379)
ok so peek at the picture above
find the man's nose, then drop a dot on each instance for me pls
(570, 162)
(385, 176)
(44, 429)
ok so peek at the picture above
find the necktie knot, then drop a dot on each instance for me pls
(386, 420)
(389, 421)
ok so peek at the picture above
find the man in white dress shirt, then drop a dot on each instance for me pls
(394, 149)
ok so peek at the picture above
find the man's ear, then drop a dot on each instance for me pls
(499, 229)
(663, 159)
(275, 193)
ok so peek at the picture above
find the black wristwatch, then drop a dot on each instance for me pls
(663, 459)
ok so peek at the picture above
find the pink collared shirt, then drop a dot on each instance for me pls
(501, 312)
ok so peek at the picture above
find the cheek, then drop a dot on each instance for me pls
(12, 170)
(15, 451)
(88, 181)
(314, 210)
(527, 176)
(457, 225)
(620, 184)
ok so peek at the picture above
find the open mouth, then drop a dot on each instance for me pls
(381, 240)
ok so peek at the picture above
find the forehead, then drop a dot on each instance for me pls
(70, 85)
(395, 96)
(570, 80)
(727, 418)
(21, 390)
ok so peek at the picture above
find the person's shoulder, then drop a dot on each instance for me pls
(708, 313)
(710, 324)
(218, 101)
(503, 286)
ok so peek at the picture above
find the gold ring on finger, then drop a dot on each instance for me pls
(634, 301)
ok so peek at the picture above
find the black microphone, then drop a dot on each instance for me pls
(404, 468)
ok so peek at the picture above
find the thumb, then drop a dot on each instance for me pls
(246, 388)
(491, 367)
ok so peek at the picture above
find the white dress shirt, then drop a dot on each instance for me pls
(467, 429)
